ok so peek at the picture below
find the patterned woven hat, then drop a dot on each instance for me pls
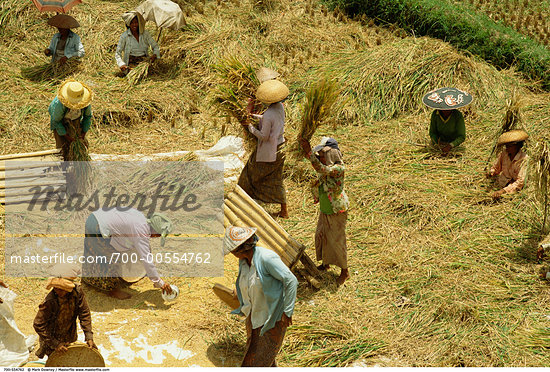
(235, 236)
(447, 99)
(516, 135)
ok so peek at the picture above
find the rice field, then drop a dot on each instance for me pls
(441, 276)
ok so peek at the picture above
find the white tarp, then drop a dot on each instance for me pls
(229, 149)
(165, 13)
(14, 346)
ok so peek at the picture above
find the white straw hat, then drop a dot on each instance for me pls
(235, 236)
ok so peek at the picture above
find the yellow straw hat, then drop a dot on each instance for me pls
(516, 135)
(74, 94)
(271, 91)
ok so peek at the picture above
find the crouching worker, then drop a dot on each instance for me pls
(55, 321)
(511, 165)
(114, 231)
(266, 289)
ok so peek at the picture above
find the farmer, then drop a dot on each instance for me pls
(447, 128)
(121, 230)
(65, 44)
(70, 114)
(266, 289)
(511, 164)
(262, 177)
(55, 321)
(328, 191)
(134, 43)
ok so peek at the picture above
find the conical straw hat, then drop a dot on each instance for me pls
(63, 21)
(265, 74)
(516, 135)
(271, 91)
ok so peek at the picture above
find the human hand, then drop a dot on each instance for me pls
(305, 146)
(497, 194)
(63, 60)
(69, 138)
(166, 288)
(286, 320)
(61, 348)
(446, 147)
(540, 253)
(47, 52)
(91, 344)
(153, 58)
(123, 68)
(250, 106)
(489, 174)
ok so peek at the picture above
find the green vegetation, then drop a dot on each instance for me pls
(464, 28)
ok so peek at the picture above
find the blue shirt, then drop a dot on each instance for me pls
(57, 113)
(73, 46)
(278, 283)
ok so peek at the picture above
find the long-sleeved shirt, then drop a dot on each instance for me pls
(254, 302)
(57, 114)
(452, 130)
(270, 132)
(46, 320)
(511, 172)
(331, 180)
(128, 43)
(129, 230)
(73, 46)
(278, 284)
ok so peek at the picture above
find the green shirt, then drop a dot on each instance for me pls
(324, 201)
(452, 130)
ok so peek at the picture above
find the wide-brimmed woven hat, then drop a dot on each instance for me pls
(447, 99)
(271, 91)
(77, 355)
(265, 74)
(74, 94)
(63, 21)
(63, 276)
(516, 135)
(235, 236)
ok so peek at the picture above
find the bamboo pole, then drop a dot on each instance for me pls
(42, 181)
(30, 154)
(261, 224)
(268, 240)
(25, 173)
(29, 164)
(13, 192)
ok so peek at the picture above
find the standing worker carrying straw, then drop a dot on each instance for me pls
(328, 191)
(447, 128)
(511, 165)
(71, 115)
(266, 289)
(262, 177)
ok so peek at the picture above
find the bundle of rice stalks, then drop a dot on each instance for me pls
(138, 73)
(511, 120)
(541, 172)
(320, 99)
(80, 175)
(238, 83)
(48, 71)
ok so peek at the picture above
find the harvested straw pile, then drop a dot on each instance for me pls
(318, 106)
(391, 79)
(49, 71)
(138, 73)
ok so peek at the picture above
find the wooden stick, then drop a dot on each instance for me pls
(29, 164)
(311, 280)
(42, 181)
(30, 154)
(309, 265)
(29, 173)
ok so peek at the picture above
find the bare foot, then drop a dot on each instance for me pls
(119, 295)
(344, 275)
(280, 214)
(323, 267)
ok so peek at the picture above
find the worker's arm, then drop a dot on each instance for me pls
(86, 119)
(57, 112)
(41, 322)
(281, 272)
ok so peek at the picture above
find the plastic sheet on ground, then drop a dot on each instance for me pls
(14, 346)
(228, 149)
